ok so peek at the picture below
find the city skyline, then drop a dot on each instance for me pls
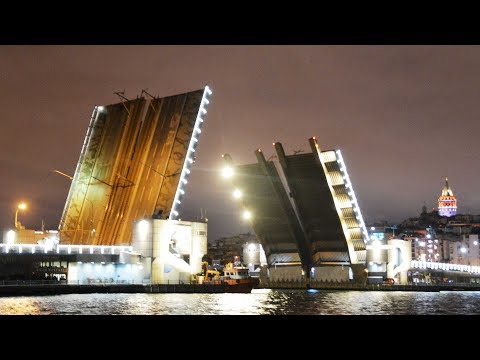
(403, 116)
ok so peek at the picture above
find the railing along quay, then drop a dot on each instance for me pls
(321, 285)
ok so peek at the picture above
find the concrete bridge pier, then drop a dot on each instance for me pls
(359, 273)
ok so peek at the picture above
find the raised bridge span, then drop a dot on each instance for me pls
(303, 209)
(134, 163)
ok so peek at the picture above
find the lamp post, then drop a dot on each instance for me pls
(21, 206)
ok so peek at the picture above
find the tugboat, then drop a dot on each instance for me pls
(238, 279)
(235, 277)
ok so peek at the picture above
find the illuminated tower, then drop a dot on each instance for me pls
(447, 203)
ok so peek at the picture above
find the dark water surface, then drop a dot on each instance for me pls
(259, 302)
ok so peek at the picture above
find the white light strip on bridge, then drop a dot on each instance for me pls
(348, 183)
(88, 137)
(69, 249)
(415, 264)
(191, 149)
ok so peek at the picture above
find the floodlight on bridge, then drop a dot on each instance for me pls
(237, 193)
(228, 172)
(247, 215)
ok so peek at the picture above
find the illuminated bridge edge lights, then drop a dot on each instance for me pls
(348, 184)
(202, 111)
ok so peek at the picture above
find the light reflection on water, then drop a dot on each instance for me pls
(259, 302)
(22, 306)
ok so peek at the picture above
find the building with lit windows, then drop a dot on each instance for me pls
(466, 251)
(426, 246)
(447, 203)
(223, 250)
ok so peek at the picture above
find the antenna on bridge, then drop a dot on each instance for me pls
(121, 95)
(144, 91)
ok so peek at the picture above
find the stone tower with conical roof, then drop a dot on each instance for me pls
(447, 203)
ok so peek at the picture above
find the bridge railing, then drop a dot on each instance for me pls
(31, 282)
(415, 264)
(63, 249)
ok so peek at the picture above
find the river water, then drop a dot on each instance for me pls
(259, 302)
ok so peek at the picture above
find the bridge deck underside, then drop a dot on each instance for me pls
(272, 225)
(317, 209)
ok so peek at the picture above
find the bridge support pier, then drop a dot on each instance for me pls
(307, 272)
(359, 273)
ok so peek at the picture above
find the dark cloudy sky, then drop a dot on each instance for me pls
(404, 117)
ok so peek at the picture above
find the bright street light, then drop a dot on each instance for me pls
(227, 172)
(10, 237)
(21, 206)
(237, 194)
(247, 215)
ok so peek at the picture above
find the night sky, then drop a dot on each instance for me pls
(404, 117)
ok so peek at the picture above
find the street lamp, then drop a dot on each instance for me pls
(237, 194)
(21, 206)
(227, 172)
(247, 215)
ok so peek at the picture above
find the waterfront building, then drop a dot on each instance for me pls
(224, 249)
(377, 256)
(254, 257)
(253, 254)
(387, 257)
(169, 250)
(399, 260)
(162, 251)
(35, 255)
(73, 264)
